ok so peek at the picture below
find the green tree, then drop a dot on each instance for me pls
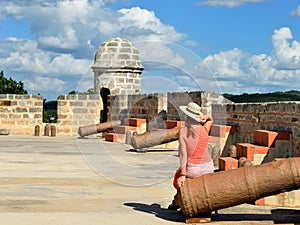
(10, 86)
(73, 92)
(89, 91)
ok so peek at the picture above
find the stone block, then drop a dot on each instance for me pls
(283, 136)
(286, 199)
(264, 138)
(173, 123)
(111, 137)
(228, 163)
(142, 128)
(80, 110)
(124, 129)
(4, 131)
(5, 103)
(21, 110)
(258, 159)
(135, 122)
(249, 150)
(221, 130)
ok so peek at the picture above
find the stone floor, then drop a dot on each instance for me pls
(66, 180)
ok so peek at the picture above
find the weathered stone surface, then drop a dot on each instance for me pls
(48, 181)
(115, 60)
(4, 131)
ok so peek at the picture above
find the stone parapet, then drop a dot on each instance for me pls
(277, 116)
(20, 113)
(151, 106)
(74, 111)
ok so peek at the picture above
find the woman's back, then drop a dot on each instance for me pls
(196, 139)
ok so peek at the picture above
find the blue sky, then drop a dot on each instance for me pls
(228, 46)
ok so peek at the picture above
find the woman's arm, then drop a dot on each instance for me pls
(182, 157)
(207, 122)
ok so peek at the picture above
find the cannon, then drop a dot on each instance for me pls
(153, 138)
(97, 128)
(215, 191)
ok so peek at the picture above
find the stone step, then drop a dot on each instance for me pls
(113, 137)
(125, 129)
(264, 137)
(267, 138)
(286, 199)
(228, 163)
(254, 153)
(267, 146)
(221, 130)
(174, 123)
(135, 122)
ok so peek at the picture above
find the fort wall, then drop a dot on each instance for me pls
(273, 116)
(21, 113)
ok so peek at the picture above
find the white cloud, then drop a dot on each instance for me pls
(237, 72)
(40, 84)
(137, 21)
(191, 43)
(286, 54)
(159, 51)
(228, 3)
(68, 25)
(221, 72)
(25, 56)
(68, 41)
(225, 63)
(296, 12)
(68, 34)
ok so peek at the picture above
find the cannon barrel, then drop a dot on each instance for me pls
(153, 138)
(97, 128)
(224, 189)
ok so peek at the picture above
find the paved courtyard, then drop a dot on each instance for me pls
(66, 180)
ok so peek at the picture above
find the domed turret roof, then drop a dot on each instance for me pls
(117, 53)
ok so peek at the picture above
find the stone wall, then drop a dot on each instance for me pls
(20, 113)
(150, 106)
(74, 111)
(280, 117)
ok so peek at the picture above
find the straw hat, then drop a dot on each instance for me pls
(192, 110)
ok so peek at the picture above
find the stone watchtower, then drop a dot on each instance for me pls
(117, 71)
(117, 67)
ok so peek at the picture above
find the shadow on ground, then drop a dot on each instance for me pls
(277, 215)
(158, 211)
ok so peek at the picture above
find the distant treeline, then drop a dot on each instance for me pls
(265, 97)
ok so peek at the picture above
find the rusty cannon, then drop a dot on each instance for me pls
(224, 189)
(153, 138)
(97, 128)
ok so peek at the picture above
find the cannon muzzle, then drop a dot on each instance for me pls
(153, 138)
(97, 128)
(224, 189)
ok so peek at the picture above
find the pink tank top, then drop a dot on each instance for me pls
(196, 145)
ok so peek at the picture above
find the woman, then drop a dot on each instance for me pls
(193, 147)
